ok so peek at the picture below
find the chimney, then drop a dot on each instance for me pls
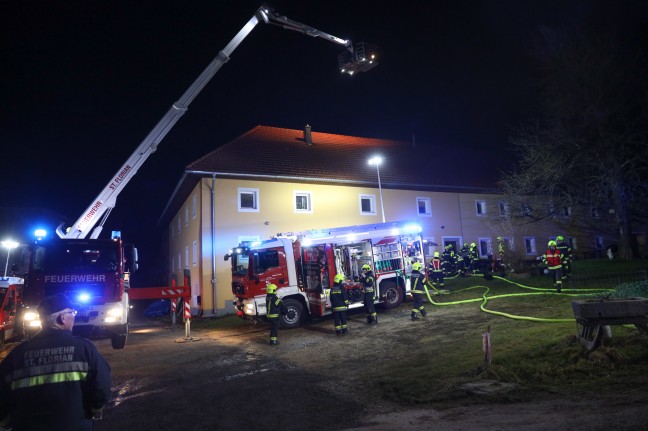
(307, 135)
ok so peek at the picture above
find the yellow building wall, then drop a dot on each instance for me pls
(451, 215)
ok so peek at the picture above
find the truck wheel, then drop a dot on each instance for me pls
(294, 314)
(118, 340)
(393, 296)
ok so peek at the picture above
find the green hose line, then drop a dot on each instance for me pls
(485, 298)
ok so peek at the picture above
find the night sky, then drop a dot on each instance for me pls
(82, 83)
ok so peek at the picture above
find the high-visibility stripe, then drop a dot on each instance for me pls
(59, 367)
(30, 382)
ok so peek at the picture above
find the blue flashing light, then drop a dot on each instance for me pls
(115, 234)
(83, 297)
(413, 228)
(40, 234)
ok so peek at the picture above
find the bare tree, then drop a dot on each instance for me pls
(590, 147)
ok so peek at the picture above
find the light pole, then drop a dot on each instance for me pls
(9, 245)
(377, 160)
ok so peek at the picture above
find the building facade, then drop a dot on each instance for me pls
(273, 181)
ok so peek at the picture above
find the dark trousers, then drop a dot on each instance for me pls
(369, 307)
(418, 306)
(556, 275)
(274, 328)
(340, 318)
(437, 278)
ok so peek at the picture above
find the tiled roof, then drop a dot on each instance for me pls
(283, 154)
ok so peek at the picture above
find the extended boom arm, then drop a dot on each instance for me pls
(103, 204)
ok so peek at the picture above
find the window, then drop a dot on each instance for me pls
(248, 200)
(179, 262)
(194, 254)
(429, 245)
(424, 207)
(599, 242)
(567, 211)
(186, 211)
(596, 213)
(264, 260)
(485, 247)
(572, 243)
(503, 209)
(187, 257)
(530, 245)
(303, 202)
(480, 207)
(507, 244)
(179, 224)
(367, 204)
(194, 206)
(454, 241)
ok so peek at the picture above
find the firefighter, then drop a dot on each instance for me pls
(552, 258)
(274, 306)
(463, 260)
(449, 260)
(339, 304)
(436, 270)
(566, 255)
(369, 294)
(473, 257)
(54, 381)
(418, 291)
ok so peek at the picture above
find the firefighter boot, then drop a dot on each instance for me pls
(274, 342)
(345, 331)
(374, 320)
(338, 332)
(369, 319)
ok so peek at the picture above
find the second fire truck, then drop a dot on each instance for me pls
(303, 265)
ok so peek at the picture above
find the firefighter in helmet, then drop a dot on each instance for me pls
(566, 255)
(369, 294)
(553, 259)
(418, 290)
(339, 304)
(473, 258)
(274, 306)
(436, 270)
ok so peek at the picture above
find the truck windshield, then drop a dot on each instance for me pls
(240, 263)
(75, 258)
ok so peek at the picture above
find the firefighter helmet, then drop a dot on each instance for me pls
(271, 288)
(416, 266)
(437, 254)
(366, 267)
(338, 278)
(552, 242)
(473, 245)
(560, 238)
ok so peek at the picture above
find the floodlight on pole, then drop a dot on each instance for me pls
(377, 160)
(9, 245)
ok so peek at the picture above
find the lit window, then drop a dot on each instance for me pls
(194, 205)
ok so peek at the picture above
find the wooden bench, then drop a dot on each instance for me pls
(594, 315)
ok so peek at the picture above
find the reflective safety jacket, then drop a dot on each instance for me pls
(339, 298)
(368, 285)
(55, 381)
(553, 259)
(274, 306)
(417, 282)
(435, 265)
(565, 251)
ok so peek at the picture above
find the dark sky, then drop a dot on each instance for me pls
(83, 82)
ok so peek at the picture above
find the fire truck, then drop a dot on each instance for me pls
(11, 291)
(303, 264)
(95, 272)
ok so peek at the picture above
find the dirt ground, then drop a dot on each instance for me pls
(231, 379)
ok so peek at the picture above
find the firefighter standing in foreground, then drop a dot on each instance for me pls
(418, 289)
(339, 304)
(369, 294)
(553, 259)
(55, 381)
(274, 306)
